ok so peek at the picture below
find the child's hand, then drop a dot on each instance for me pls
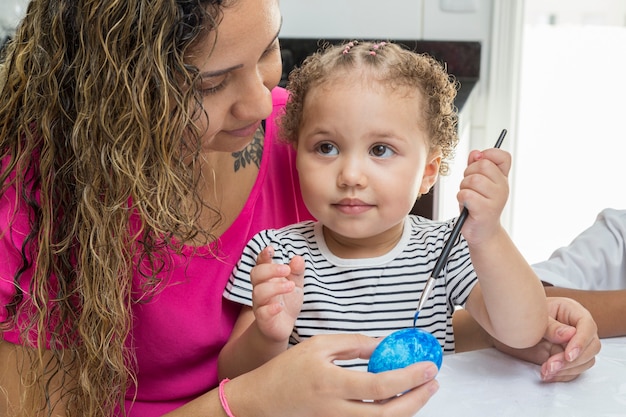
(277, 294)
(484, 191)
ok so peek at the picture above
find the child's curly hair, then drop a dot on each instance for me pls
(391, 65)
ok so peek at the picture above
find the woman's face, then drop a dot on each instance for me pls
(239, 69)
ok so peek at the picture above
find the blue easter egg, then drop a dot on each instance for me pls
(403, 348)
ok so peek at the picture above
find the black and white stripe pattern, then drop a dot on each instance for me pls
(373, 296)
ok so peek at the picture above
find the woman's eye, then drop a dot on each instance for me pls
(212, 85)
(212, 90)
(381, 151)
(327, 149)
(274, 47)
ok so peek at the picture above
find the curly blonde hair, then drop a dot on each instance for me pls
(98, 117)
(390, 65)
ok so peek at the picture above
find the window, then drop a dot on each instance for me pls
(569, 155)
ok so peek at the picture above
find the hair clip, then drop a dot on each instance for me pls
(376, 47)
(379, 45)
(347, 48)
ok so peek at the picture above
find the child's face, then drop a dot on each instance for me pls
(363, 158)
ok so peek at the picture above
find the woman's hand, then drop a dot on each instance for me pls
(569, 346)
(304, 382)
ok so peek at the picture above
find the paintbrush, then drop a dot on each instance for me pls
(446, 249)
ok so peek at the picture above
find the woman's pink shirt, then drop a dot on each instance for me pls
(178, 333)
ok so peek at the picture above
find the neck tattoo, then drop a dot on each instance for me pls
(252, 153)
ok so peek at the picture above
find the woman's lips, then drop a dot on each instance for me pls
(244, 131)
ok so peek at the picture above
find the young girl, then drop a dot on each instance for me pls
(374, 125)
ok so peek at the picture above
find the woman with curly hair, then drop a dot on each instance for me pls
(138, 155)
(135, 167)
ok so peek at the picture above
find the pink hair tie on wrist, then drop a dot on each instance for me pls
(223, 398)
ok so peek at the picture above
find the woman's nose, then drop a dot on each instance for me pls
(255, 95)
(254, 101)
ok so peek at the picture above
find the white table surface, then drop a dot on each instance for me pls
(489, 383)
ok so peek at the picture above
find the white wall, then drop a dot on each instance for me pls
(11, 11)
(393, 19)
(347, 19)
(576, 12)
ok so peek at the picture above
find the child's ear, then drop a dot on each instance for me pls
(431, 172)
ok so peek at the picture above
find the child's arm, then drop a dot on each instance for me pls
(262, 331)
(509, 299)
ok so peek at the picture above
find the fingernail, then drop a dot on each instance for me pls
(573, 354)
(433, 387)
(270, 251)
(430, 372)
(556, 367)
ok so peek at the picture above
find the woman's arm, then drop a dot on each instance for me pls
(9, 379)
(13, 399)
(247, 348)
(608, 308)
(301, 382)
(567, 349)
(304, 382)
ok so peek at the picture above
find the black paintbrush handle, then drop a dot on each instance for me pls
(443, 257)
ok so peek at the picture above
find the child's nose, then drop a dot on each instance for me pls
(352, 174)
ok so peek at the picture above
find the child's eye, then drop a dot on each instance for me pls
(327, 149)
(382, 151)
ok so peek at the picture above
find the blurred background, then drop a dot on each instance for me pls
(11, 11)
(571, 137)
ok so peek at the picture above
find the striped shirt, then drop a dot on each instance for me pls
(372, 296)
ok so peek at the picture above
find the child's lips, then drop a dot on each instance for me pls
(352, 206)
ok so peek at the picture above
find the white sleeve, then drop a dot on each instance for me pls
(239, 286)
(594, 260)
